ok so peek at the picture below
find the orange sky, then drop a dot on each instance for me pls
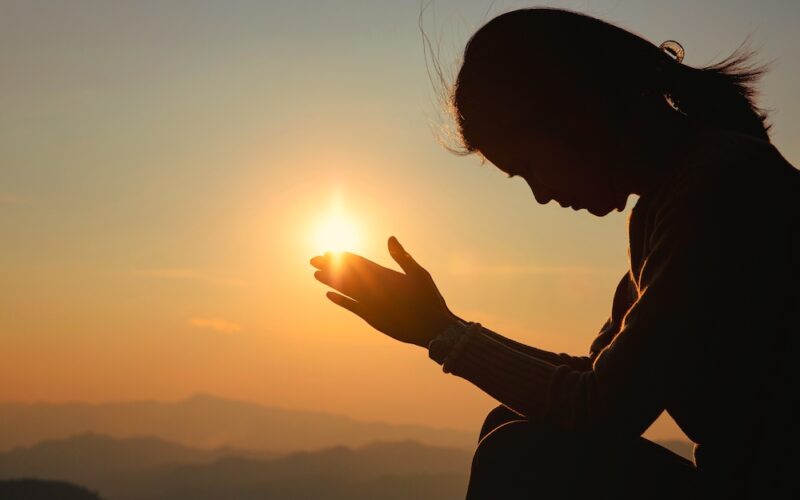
(164, 172)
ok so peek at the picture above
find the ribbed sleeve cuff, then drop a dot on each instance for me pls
(516, 379)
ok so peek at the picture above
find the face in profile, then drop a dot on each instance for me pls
(576, 160)
(549, 109)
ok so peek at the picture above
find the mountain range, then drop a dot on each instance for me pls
(206, 447)
(206, 421)
(153, 469)
(37, 489)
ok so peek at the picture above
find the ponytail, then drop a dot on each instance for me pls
(722, 94)
(514, 60)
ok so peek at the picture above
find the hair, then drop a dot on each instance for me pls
(507, 58)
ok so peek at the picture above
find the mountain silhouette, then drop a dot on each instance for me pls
(107, 456)
(209, 448)
(209, 422)
(151, 469)
(37, 489)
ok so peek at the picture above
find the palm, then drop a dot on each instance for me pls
(405, 306)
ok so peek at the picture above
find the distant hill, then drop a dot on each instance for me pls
(209, 422)
(148, 468)
(386, 470)
(86, 457)
(151, 469)
(37, 489)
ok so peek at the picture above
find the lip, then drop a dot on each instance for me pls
(566, 204)
(569, 204)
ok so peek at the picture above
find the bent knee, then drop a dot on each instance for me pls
(497, 417)
(522, 456)
(509, 457)
(525, 440)
(509, 441)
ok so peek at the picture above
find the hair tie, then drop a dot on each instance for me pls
(674, 49)
(664, 79)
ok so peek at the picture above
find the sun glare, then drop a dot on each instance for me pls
(336, 231)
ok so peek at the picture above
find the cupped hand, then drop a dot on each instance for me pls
(405, 306)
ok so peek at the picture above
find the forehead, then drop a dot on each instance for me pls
(507, 121)
(511, 151)
(508, 133)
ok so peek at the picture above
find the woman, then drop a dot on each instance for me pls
(703, 324)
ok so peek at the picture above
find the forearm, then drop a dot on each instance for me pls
(512, 377)
(533, 387)
(581, 363)
(518, 380)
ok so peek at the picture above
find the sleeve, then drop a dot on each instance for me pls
(575, 362)
(631, 378)
(623, 298)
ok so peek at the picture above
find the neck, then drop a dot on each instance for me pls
(665, 148)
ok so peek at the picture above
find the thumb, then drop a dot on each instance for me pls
(399, 254)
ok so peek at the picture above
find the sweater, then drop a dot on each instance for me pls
(703, 325)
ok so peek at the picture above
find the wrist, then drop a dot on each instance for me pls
(436, 325)
(440, 346)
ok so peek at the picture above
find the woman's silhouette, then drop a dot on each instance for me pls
(703, 324)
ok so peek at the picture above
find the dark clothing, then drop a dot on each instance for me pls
(517, 459)
(703, 326)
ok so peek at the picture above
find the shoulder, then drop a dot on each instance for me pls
(738, 176)
(730, 194)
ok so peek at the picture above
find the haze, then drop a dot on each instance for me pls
(165, 168)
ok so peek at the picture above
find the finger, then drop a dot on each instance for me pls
(403, 258)
(318, 261)
(346, 302)
(325, 277)
(350, 282)
(357, 277)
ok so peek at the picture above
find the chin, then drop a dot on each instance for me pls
(607, 209)
(600, 212)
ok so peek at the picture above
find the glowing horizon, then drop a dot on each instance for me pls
(166, 173)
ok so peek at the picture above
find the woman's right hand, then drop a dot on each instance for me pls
(407, 307)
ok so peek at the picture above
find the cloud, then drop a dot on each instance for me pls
(215, 324)
(177, 273)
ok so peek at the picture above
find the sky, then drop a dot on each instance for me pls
(167, 170)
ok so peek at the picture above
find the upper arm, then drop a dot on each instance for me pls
(624, 297)
(685, 291)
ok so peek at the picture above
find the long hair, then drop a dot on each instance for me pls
(723, 93)
(510, 60)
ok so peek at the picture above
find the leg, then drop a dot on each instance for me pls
(498, 417)
(520, 459)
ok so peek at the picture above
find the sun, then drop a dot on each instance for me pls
(336, 231)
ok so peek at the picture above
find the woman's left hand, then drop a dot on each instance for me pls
(407, 307)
